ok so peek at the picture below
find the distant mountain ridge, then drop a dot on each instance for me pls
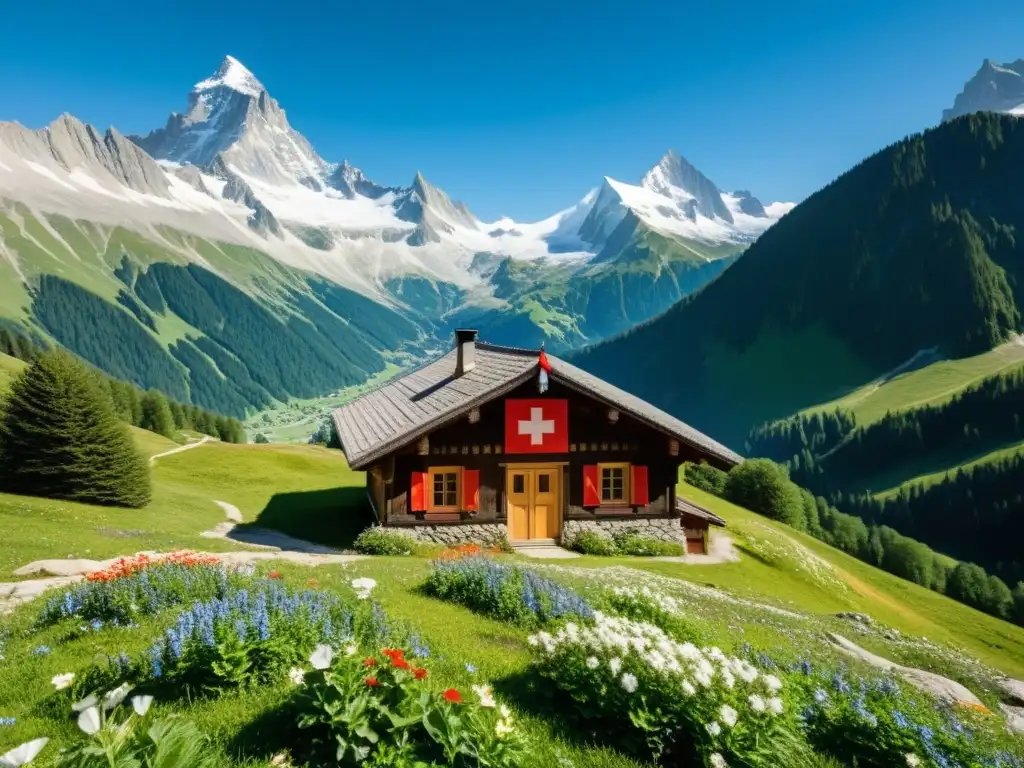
(916, 247)
(994, 88)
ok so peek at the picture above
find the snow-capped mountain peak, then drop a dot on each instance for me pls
(674, 177)
(994, 88)
(232, 74)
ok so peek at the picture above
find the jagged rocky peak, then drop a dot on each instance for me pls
(351, 181)
(423, 203)
(994, 88)
(231, 115)
(749, 204)
(676, 178)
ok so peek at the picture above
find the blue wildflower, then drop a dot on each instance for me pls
(8, 721)
(42, 650)
(820, 695)
(470, 668)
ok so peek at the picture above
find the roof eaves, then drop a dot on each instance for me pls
(399, 441)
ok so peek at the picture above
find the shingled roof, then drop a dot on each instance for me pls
(418, 402)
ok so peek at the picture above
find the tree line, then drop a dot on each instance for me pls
(764, 486)
(151, 410)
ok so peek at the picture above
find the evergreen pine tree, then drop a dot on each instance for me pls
(156, 414)
(178, 414)
(60, 438)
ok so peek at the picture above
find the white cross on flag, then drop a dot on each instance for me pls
(536, 426)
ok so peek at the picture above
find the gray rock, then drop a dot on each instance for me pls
(994, 88)
(860, 618)
(1012, 690)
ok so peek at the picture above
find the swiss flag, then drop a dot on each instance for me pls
(536, 426)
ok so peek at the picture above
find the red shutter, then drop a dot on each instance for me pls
(418, 492)
(591, 495)
(471, 490)
(638, 486)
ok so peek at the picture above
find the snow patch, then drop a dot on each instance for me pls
(232, 74)
(42, 170)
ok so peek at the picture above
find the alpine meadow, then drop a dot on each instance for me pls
(300, 467)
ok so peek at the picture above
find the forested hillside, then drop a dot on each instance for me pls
(913, 249)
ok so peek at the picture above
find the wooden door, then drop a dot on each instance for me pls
(519, 486)
(695, 546)
(534, 502)
(544, 512)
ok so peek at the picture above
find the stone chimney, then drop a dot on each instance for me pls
(465, 346)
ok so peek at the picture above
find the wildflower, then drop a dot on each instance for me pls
(363, 587)
(912, 760)
(89, 721)
(756, 703)
(115, 697)
(372, 682)
(820, 696)
(399, 662)
(629, 683)
(350, 650)
(505, 712)
(503, 727)
(296, 675)
(8, 721)
(312, 583)
(88, 701)
(321, 657)
(274, 575)
(42, 650)
(714, 728)
(419, 673)
(717, 761)
(775, 705)
(688, 688)
(452, 696)
(60, 682)
(141, 704)
(369, 661)
(728, 715)
(470, 668)
(615, 665)
(24, 754)
(772, 683)
(592, 662)
(485, 694)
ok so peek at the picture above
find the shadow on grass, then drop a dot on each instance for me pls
(331, 517)
(274, 730)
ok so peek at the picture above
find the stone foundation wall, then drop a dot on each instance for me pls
(484, 534)
(663, 529)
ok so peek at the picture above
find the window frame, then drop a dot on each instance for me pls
(626, 481)
(431, 473)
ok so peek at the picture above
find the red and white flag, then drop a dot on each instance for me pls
(536, 426)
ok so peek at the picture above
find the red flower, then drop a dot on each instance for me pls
(372, 682)
(393, 653)
(370, 662)
(452, 695)
(398, 661)
(312, 583)
(420, 673)
(274, 575)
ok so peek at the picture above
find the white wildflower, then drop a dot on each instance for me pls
(296, 675)
(717, 761)
(727, 678)
(772, 683)
(485, 694)
(503, 727)
(615, 665)
(592, 662)
(728, 715)
(89, 701)
(89, 721)
(629, 683)
(688, 688)
(505, 712)
(321, 657)
(912, 760)
(23, 754)
(714, 728)
(775, 705)
(350, 650)
(60, 682)
(363, 587)
(116, 696)
(756, 703)
(533, 640)
(141, 704)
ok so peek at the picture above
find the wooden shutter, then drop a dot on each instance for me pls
(418, 492)
(471, 490)
(591, 492)
(638, 486)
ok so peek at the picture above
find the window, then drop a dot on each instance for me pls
(444, 488)
(518, 483)
(614, 483)
(543, 483)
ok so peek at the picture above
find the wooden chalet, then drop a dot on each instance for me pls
(498, 440)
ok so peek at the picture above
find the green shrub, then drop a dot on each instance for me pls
(631, 543)
(659, 609)
(705, 477)
(763, 486)
(594, 543)
(383, 541)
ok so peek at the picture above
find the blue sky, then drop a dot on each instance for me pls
(519, 108)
